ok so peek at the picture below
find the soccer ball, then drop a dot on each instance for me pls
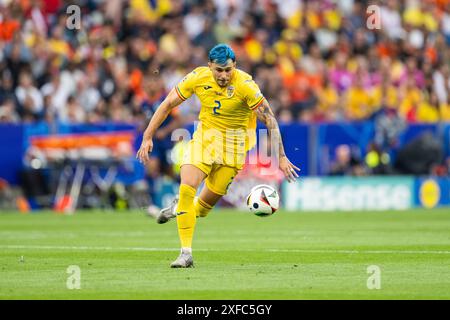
(263, 200)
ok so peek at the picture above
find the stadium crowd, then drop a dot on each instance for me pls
(321, 60)
(314, 60)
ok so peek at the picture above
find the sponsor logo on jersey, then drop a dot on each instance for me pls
(230, 91)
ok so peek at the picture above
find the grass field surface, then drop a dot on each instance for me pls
(126, 255)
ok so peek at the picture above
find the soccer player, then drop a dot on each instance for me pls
(230, 102)
(152, 96)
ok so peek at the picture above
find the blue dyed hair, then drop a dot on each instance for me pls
(221, 53)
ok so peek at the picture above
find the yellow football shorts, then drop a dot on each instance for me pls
(220, 167)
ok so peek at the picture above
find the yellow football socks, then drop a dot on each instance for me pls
(201, 207)
(186, 215)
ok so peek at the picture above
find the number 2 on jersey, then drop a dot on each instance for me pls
(217, 106)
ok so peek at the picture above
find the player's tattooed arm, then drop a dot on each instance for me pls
(266, 116)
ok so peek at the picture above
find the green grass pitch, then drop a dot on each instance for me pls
(126, 255)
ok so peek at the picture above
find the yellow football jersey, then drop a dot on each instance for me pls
(228, 110)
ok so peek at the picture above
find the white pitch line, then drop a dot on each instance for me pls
(81, 248)
(363, 251)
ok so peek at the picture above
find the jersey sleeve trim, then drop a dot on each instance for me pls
(180, 94)
(256, 105)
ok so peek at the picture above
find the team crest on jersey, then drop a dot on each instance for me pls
(230, 91)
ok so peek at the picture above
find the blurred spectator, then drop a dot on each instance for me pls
(6, 86)
(340, 76)
(29, 97)
(391, 19)
(301, 87)
(89, 96)
(17, 60)
(388, 122)
(358, 101)
(410, 96)
(58, 94)
(441, 82)
(328, 107)
(411, 71)
(160, 158)
(346, 163)
(444, 110)
(8, 113)
(75, 113)
(428, 109)
(377, 161)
